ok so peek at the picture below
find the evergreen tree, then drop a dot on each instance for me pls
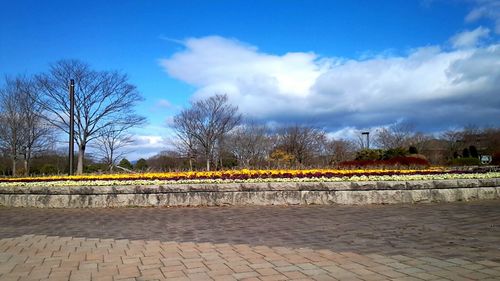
(124, 163)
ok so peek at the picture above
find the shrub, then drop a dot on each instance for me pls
(48, 169)
(496, 158)
(466, 161)
(141, 165)
(466, 153)
(473, 152)
(369, 154)
(394, 152)
(124, 163)
(413, 150)
(93, 168)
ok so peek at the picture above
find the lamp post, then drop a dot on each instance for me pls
(71, 125)
(367, 139)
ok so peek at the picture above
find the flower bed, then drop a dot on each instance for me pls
(241, 176)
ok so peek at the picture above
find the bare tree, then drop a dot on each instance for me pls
(23, 130)
(454, 140)
(207, 122)
(101, 99)
(250, 144)
(186, 143)
(111, 143)
(37, 132)
(11, 121)
(303, 142)
(395, 136)
(340, 150)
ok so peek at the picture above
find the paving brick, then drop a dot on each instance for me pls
(325, 246)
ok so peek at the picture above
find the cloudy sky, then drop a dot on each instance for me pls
(339, 65)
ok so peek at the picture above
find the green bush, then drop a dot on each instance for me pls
(473, 152)
(413, 150)
(466, 153)
(125, 164)
(93, 168)
(141, 165)
(369, 154)
(394, 152)
(466, 161)
(48, 169)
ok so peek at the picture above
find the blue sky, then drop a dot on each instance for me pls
(340, 65)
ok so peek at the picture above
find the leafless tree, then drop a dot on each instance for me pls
(454, 140)
(303, 142)
(340, 150)
(186, 141)
(250, 144)
(37, 132)
(206, 122)
(395, 136)
(101, 99)
(11, 121)
(23, 130)
(111, 142)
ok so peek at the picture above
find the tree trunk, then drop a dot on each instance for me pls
(81, 154)
(27, 158)
(14, 167)
(190, 163)
(208, 155)
(26, 168)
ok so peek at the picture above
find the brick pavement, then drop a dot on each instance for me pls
(459, 241)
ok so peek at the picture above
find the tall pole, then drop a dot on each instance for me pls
(71, 125)
(367, 139)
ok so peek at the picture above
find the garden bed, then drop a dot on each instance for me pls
(207, 190)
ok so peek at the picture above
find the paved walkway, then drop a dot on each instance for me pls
(459, 241)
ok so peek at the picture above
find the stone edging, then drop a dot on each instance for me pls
(275, 193)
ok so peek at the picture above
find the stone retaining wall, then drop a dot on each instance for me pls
(276, 193)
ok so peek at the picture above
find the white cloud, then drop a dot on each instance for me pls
(430, 87)
(487, 9)
(216, 62)
(469, 38)
(145, 146)
(163, 103)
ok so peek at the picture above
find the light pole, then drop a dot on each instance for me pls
(71, 125)
(367, 139)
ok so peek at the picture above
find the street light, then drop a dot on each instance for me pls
(367, 139)
(71, 125)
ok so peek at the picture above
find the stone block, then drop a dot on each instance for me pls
(47, 201)
(391, 185)
(47, 190)
(487, 182)
(256, 187)
(314, 197)
(14, 190)
(468, 183)
(364, 185)
(353, 197)
(466, 194)
(445, 184)
(385, 196)
(414, 185)
(338, 185)
(123, 189)
(16, 200)
(291, 197)
(487, 193)
(421, 196)
(444, 195)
